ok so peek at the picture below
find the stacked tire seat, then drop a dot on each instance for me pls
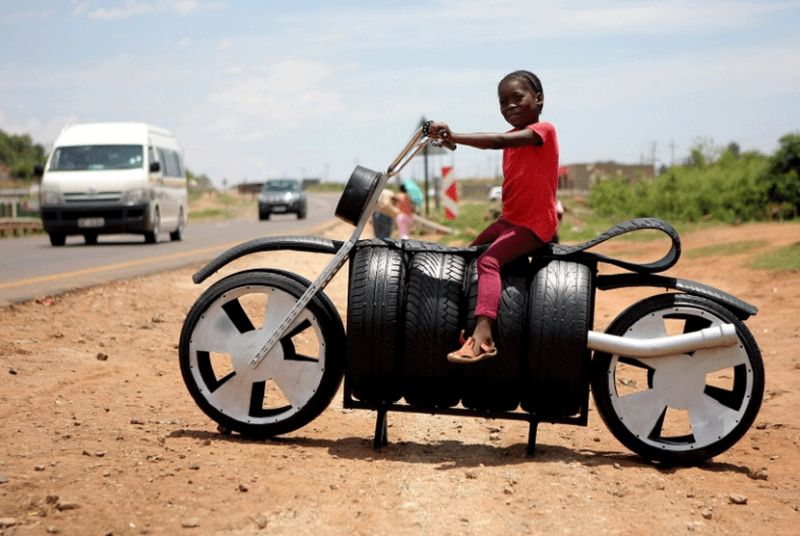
(409, 301)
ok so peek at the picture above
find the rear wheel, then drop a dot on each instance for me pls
(57, 239)
(151, 237)
(292, 385)
(684, 408)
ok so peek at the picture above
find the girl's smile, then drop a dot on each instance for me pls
(518, 104)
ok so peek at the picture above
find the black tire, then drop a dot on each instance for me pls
(151, 236)
(177, 234)
(263, 216)
(301, 214)
(90, 238)
(431, 328)
(357, 192)
(560, 314)
(494, 384)
(652, 423)
(217, 342)
(57, 239)
(376, 297)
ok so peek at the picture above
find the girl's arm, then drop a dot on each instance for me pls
(487, 140)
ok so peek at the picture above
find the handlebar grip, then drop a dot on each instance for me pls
(449, 144)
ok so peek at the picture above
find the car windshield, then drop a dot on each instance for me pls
(97, 157)
(281, 186)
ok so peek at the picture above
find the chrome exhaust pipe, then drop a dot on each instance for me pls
(715, 336)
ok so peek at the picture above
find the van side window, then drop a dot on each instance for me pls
(168, 166)
(151, 155)
(178, 163)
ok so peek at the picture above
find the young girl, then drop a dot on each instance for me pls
(528, 219)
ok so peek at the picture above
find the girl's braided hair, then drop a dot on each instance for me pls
(527, 77)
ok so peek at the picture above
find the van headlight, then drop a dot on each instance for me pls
(50, 197)
(137, 196)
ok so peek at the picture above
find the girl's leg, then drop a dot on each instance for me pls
(511, 243)
(488, 235)
(403, 225)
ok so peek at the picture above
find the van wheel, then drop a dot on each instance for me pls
(177, 234)
(90, 238)
(151, 237)
(57, 239)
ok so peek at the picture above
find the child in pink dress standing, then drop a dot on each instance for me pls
(528, 219)
(405, 214)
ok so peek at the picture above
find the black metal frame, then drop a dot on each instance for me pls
(381, 438)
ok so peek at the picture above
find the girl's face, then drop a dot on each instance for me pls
(518, 103)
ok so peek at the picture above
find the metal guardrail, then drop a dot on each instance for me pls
(16, 217)
(19, 226)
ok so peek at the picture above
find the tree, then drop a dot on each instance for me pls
(20, 154)
(703, 152)
(783, 178)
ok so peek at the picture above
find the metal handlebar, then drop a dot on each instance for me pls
(419, 140)
(412, 148)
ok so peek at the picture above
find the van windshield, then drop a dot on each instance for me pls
(97, 157)
(281, 185)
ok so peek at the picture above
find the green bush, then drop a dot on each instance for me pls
(733, 188)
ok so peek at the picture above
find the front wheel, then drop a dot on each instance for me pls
(151, 236)
(227, 326)
(57, 239)
(684, 408)
(177, 234)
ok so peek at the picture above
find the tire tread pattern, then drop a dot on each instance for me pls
(560, 317)
(374, 324)
(432, 325)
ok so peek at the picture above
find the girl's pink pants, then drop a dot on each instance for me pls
(508, 242)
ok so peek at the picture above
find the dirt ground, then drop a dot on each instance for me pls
(100, 436)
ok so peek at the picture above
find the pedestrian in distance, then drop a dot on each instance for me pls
(528, 218)
(384, 214)
(405, 212)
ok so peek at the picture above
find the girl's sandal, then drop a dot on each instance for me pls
(464, 355)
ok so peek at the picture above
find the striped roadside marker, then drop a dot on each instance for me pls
(450, 193)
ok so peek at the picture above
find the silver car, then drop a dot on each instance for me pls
(281, 196)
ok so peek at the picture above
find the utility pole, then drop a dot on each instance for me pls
(425, 173)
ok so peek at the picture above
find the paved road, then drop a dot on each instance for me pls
(30, 267)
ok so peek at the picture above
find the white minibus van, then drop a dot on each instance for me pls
(104, 178)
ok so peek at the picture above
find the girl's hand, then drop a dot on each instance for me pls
(440, 131)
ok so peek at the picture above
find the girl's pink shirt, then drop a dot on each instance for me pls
(530, 183)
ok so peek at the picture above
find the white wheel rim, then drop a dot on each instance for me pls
(680, 382)
(294, 378)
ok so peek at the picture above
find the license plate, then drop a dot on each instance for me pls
(91, 222)
(279, 209)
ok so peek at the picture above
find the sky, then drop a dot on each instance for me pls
(260, 89)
